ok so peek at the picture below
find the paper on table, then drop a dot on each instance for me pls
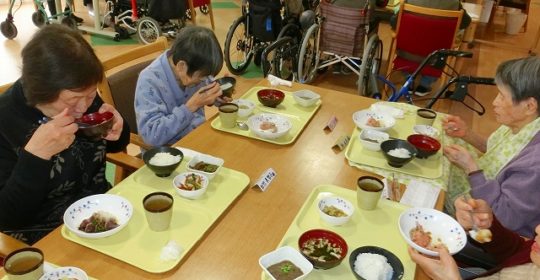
(420, 194)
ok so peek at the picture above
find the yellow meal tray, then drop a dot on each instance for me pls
(137, 245)
(431, 167)
(378, 227)
(298, 115)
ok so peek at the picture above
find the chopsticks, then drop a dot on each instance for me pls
(394, 189)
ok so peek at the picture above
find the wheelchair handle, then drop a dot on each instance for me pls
(454, 53)
(475, 80)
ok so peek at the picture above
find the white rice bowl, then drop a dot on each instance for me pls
(373, 267)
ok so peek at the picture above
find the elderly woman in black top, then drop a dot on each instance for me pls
(44, 167)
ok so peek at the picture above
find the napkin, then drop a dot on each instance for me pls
(275, 81)
(171, 251)
(386, 109)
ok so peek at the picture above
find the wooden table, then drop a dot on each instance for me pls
(258, 221)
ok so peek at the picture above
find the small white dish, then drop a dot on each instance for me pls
(282, 254)
(363, 118)
(245, 107)
(282, 125)
(206, 159)
(372, 139)
(66, 272)
(442, 227)
(115, 205)
(306, 98)
(381, 107)
(426, 130)
(190, 194)
(337, 202)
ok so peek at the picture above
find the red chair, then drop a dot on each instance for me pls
(419, 32)
(199, 3)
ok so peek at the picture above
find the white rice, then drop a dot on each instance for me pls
(400, 153)
(161, 159)
(373, 267)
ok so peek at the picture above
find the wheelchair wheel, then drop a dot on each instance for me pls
(285, 59)
(371, 64)
(148, 30)
(38, 18)
(8, 29)
(69, 22)
(308, 57)
(204, 9)
(238, 47)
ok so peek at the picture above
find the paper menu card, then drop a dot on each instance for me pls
(420, 194)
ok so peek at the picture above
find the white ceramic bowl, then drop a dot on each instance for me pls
(206, 159)
(362, 117)
(441, 226)
(181, 178)
(286, 253)
(372, 139)
(245, 107)
(340, 203)
(426, 130)
(67, 272)
(306, 98)
(83, 208)
(282, 123)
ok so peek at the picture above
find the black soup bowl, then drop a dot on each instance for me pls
(227, 85)
(95, 125)
(270, 97)
(395, 161)
(391, 259)
(162, 170)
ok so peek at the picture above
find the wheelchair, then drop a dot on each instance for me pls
(149, 19)
(280, 58)
(338, 35)
(251, 33)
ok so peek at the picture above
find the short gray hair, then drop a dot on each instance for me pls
(522, 76)
(199, 48)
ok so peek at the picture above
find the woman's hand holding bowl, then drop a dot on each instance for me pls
(53, 137)
(460, 157)
(454, 126)
(206, 95)
(118, 122)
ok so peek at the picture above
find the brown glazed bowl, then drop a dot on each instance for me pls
(270, 97)
(95, 126)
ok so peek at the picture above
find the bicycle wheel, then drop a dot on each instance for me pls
(148, 30)
(238, 47)
(308, 57)
(371, 64)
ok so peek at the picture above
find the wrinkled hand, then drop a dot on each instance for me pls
(454, 126)
(481, 213)
(206, 95)
(444, 268)
(118, 122)
(461, 158)
(53, 137)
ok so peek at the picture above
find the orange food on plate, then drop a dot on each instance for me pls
(268, 126)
